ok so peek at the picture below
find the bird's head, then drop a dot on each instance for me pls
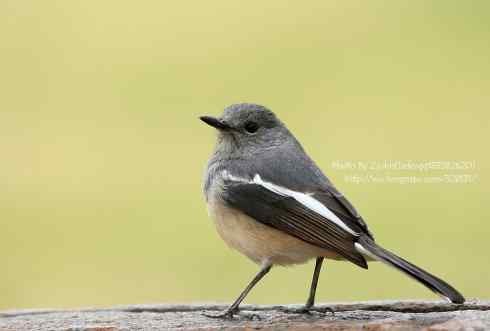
(248, 128)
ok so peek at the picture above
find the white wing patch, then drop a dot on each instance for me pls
(306, 200)
(226, 175)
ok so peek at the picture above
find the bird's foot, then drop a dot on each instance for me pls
(306, 310)
(230, 313)
(302, 310)
(226, 314)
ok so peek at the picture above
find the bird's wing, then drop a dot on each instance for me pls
(338, 203)
(296, 213)
(289, 166)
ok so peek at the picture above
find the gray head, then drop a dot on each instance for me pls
(247, 128)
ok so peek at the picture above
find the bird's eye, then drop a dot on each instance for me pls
(251, 127)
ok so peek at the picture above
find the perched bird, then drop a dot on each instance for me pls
(272, 203)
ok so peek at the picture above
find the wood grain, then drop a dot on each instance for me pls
(373, 315)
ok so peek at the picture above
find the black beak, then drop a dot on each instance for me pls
(215, 123)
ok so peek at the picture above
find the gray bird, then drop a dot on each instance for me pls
(272, 203)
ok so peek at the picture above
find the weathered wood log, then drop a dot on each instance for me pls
(374, 315)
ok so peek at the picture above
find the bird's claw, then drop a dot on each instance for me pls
(227, 314)
(307, 310)
(302, 310)
(230, 313)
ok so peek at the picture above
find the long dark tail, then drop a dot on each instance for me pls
(367, 246)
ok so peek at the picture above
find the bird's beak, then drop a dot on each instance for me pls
(215, 122)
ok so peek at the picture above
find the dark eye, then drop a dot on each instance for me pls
(251, 127)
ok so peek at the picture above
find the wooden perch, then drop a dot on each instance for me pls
(374, 315)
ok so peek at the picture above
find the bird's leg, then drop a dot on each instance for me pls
(314, 282)
(233, 309)
(311, 298)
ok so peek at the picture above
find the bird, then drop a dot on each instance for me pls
(272, 203)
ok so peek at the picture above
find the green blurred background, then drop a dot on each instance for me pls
(102, 153)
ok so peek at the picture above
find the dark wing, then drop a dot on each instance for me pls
(289, 166)
(286, 214)
(338, 203)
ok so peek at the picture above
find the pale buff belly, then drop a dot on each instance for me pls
(262, 243)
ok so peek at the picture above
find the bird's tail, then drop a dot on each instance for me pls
(367, 246)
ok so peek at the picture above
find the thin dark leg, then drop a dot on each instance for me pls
(314, 282)
(233, 309)
(311, 298)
